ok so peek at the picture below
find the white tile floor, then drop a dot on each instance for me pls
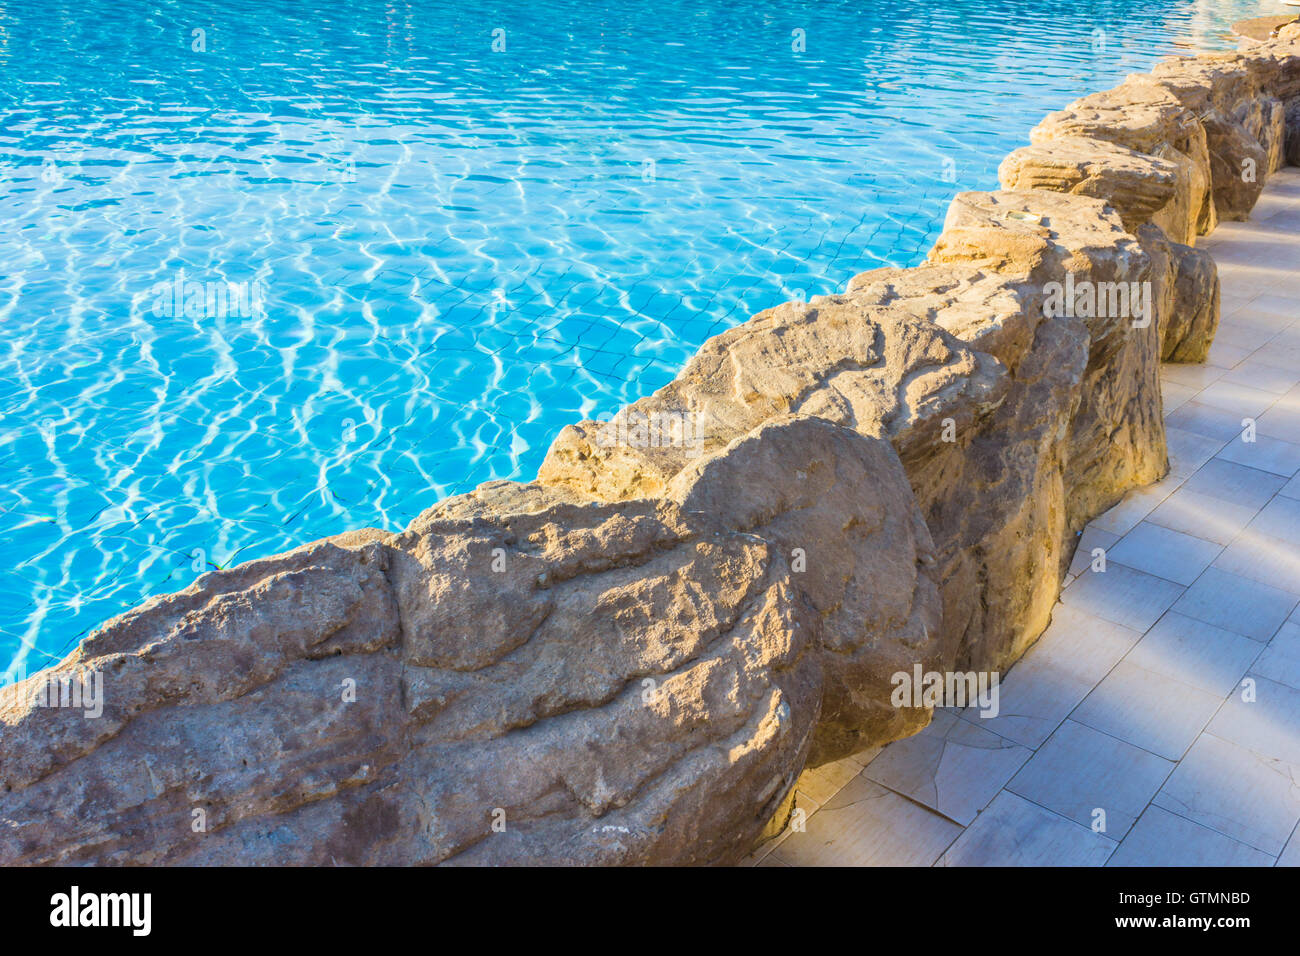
(1157, 722)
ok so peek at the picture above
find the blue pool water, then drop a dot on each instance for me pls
(450, 228)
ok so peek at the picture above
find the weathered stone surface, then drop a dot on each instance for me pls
(1088, 416)
(1256, 30)
(994, 495)
(1239, 97)
(1117, 437)
(1271, 131)
(1242, 127)
(863, 560)
(1139, 187)
(1185, 289)
(1293, 132)
(1220, 81)
(1145, 117)
(521, 690)
(1276, 64)
(223, 698)
(979, 305)
(1236, 159)
(1052, 424)
(879, 371)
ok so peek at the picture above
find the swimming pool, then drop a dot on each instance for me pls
(269, 273)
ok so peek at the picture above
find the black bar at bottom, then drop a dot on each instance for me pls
(331, 907)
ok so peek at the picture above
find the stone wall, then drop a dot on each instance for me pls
(632, 658)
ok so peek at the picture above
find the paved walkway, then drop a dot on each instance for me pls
(1157, 721)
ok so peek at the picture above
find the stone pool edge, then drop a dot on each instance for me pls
(632, 658)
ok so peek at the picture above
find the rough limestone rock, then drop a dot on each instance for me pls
(1243, 125)
(1236, 159)
(638, 683)
(1144, 117)
(876, 369)
(995, 499)
(978, 304)
(1139, 187)
(1276, 64)
(1107, 414)
(222, 699)
(862, 560)
(1293, 132)
(1276, 67)
(1044, 426)
(1265, 119)
(1185, 289)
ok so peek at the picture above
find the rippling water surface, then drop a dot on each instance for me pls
(272, 269)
